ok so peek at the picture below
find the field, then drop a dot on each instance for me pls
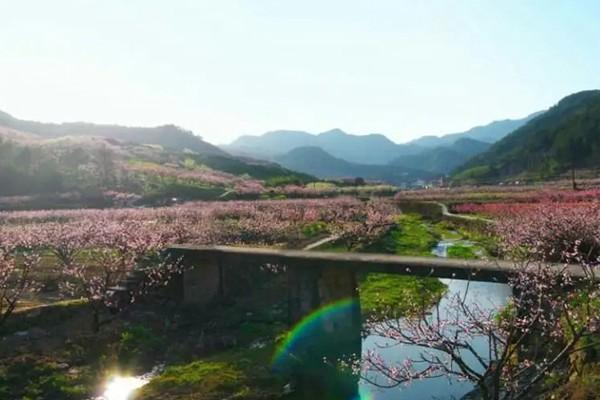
(59, 267)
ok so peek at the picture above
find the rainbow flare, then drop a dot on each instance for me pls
(365, 396)
(310, 323)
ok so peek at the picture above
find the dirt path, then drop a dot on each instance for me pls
(321, 242)
(447, 213)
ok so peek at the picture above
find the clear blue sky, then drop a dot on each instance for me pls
(223, 68)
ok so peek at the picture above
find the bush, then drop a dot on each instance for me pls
(139, 343)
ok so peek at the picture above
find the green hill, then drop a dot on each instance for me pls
(81, 166)
(168, 136)
(489, 133)
(566, 136)
(443, 159)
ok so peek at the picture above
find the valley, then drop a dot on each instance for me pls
(317, 200)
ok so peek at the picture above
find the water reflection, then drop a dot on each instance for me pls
(311, 351)
(122, 387)
(313, 347)
(487, 296)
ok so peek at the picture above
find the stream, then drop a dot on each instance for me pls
(486, 295)
(120, 387)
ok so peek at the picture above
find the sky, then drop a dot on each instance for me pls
(223, 68)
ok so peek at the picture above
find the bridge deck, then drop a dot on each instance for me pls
(475, 270)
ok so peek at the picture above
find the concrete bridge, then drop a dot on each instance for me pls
(316, 279)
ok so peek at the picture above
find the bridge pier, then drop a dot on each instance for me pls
(201, 281)
(334, 333)
(312, 288)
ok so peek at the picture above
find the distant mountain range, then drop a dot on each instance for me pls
(168, 136)
(489, 133)
(566, 136)
(367, 149)
(443, 159)
(316, 161)
(429, 154)
(538, 146)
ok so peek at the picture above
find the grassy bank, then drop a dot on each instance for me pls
(396, 294)
(242, 373)
(222, 352)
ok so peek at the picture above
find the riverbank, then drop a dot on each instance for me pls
(220, 352)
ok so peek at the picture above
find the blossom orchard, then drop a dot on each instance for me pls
(520, 194)
(17, 265)
(244, 186)
(94, 249)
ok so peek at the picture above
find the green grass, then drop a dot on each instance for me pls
(413, 237)
(487, 243)
(410, 237)
(398, 294)
(138, 345)
(44, 317)
(446, 230)
(30, 378)
(464, 252)
(585, 386)
(484, 243)
(235, 374)
(314, 229)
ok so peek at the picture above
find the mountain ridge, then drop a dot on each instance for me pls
(372, 149)
(169, 135)
(315, 161)
(490, 133)
(566, 136)
(352, 148)
(444, 159)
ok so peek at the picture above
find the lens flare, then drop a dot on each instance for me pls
(121, 388)
(365, 395)
(302, 330)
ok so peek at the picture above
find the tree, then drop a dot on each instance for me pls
(550, 317)
(17, 266)
(361, 226)
(105, 164)
(96, 253)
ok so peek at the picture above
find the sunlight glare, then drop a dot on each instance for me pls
(120, 387)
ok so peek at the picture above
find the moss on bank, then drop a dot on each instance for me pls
(410, 237)
(397, 294)
(243, 373)
(32, 377)
(463, 252)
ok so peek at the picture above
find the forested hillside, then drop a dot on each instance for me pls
(83, 170)
(566, 136)
(489, 133)
(443, 159)
(168, 136)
